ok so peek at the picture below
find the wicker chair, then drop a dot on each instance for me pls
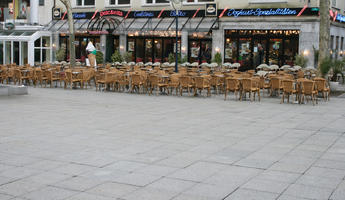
(321, 87)
(276, 85)
(136, 83)
(288, 90)
(201, 83)
(250, 86)
(232, 85)
(308, 89)
(185, 83)
(174, 83)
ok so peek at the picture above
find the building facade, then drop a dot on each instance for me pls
(249, 32)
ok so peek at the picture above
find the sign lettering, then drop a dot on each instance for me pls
(143, 14)
(79, 15)
(111, 12)
(180, 13)
(261, 12)
(341, 18)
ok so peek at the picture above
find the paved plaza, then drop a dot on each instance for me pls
(58, 144)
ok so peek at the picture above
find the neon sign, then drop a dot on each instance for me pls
(341, 18)
(79, 15)
(143, 14)
(111, 12)
(261, 12)
(180, 13)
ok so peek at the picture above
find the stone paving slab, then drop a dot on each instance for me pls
(87, 145)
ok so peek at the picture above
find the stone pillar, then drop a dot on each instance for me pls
(31, 53)
(103, 41)
(123, 43)
(309, 38)
(184, 43)
(34, 11)
(55, 45)
(218, 42)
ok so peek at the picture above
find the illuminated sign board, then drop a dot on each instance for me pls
(111, 13)
(261, 12)
(340, 18)
(144, 14)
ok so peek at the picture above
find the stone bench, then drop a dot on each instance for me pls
(9, 90)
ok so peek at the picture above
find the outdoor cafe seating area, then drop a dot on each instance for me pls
(289, 83)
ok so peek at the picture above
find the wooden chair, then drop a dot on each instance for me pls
(250, 86)
(308, 89)
(185, 83)
(122, 81)
(174, 83)
(215, 83)
(201, 83)
(106, 79)
(155, 83)
(51, 78)
(232, 85)
(288, 90)
(136, 83)
(40, 76)
(263, 84)
(71, 80)
(300, 74)
(275, 85)
(321, 87)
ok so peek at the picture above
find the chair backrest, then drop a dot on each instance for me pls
(275, 83)
(308, 87)
(247, 84)
(320, 84)
(232, 84)
(287, 85)
(174, 78)
(136, 79)
(185, 81)
(153, 79)
(199, 81)
(300, 74)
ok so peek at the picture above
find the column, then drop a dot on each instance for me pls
(123, 43)
(184, 43)
(34, 11)
(103, 41)
(218, 42)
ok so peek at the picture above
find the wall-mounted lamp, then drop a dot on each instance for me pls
(306, 52)
(217, 49)
(183, 49)
(122, 47)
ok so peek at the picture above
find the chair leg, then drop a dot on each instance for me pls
(225, 95)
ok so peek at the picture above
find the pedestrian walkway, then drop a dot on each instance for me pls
(82, 145)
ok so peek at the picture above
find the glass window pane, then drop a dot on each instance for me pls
(41, 2)
(205, 0)
(259, 52)
(194, 49)
(24, 52)
(291, 49)
(1, 52)
(245, 53)
(45, 41)
(89, 2)
(206, 52)
(112, 2)
(168, 48)
(139, 50)
(230, 50)
(45, 55)
(8, 52)
(158, 50)
(275, 51)
(79, 3)
(37, 56)
(148, 50)
(123, 2)
(16, 52)
(38, 42)
(149, 1)
(162, 1)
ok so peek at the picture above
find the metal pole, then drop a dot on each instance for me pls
(176, 52)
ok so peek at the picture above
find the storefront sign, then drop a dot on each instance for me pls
(112, 13)
(79, 15)
(211, 9)
(261, 12)
(340, 18)
(181, 13)
(56, 13)
(143, 14)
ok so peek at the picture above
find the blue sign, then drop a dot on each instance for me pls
(180, 13)
(341, 18)
(143, 14)
(79, 15)
(261, 12)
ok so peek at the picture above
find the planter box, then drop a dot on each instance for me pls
(334, 85)
(8, 90)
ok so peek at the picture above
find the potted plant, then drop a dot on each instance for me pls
(332, 68)
(116, 57)
(61, 53)
(127, 56)
(301, 61)
(99, 57)
(218, 59)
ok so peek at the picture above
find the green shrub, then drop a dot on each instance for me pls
(337, 68)
(184, 59)
(171, 58)
(61, 53)
(325, 66)
(116, 57)
(218, 58)
(127, 56)
(99, 57)
(300, 60)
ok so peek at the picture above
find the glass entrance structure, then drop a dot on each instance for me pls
(25, 47)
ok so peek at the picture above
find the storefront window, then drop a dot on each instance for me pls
(148, 50)
(85, 2)
(231, 50)
(8, 52)
(158, 50)
(24, 53)
(42, 50)
(275, 51)
(156, 1)
(290, 51)
(37, 56)
(16, 52)
(259, 52)
(1, 52)
(119, 2)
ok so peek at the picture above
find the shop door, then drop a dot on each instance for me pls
(109, 47)
(259, 52)
(245, 53)
(148, 50)
(200, 51)
(139, 50)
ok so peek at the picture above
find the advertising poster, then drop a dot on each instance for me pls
(130, 46)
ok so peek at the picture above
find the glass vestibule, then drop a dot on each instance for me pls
(254, 47)
(151, 49)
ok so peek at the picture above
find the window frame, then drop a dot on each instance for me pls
(41, 2)
(196, 2)
(108, 4)
(83, 4)
(154, 3)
